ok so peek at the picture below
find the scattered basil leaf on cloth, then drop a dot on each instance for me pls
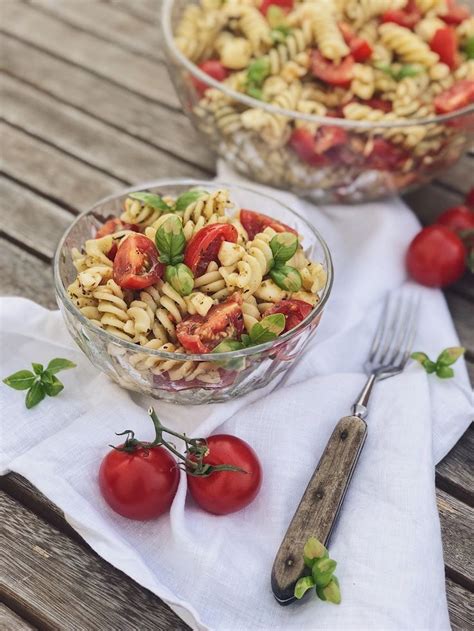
(316, 558)
(151, 199)
(442, 366)
(41, 382)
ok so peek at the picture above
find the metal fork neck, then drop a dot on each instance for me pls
(360, 406)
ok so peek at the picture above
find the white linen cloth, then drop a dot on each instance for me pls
(215, 571)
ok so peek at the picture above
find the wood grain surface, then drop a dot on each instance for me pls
(89, 107)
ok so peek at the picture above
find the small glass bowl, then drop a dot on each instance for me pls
(135, 367)
(360, 168)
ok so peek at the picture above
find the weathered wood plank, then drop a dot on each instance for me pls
(113, 63)
(455, 473)
(157, 126)
(461, 606)
(144, 9)
(53, 173)
(461, 310)
(86, 138)
(430, 200)
(9, 621)
(460, 176)
(43, 574)
(106, 21)
(16, 278)
(457, 520)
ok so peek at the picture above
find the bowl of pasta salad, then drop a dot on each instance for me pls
(338, 100)
(192, 292)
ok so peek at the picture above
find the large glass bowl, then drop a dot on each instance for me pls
(135, 367)
(359, 169)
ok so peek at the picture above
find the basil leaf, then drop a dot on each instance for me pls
(420, 357)
(283, 246)
(52, 385)
(34, 395)
(276, 17)
(21, 380)
(170, 241)
(187, 198)
(38, 368)
(322, 571)
(331, 592)
(246, 340)
(255, 93)
(303, 585)
(408, 70)
(258, 71)
(314, 549)
(267, 329)
(286, 277)
(228, 345)
(180, 277)
(469, 48)
(429, 366)
(151, 199)
(450, 355)
(444, 372)
(55, 365)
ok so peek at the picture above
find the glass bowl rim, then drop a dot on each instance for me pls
(312, 118)
(61, 291)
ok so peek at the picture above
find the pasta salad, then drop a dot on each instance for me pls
(360, 60)
(193, 275)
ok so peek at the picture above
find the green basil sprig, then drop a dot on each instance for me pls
(170, 241)
(40, 382)
(268, 329)
(442, 366)
(257, 72)
(407, 70)
(284, 246)
(316, 559)
(151, 199)
(469, 48)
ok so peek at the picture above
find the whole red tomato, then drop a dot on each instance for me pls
(224, 492)
(436, 257)
(139, 483)
(458, 219)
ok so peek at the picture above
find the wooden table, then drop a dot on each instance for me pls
(89, 107)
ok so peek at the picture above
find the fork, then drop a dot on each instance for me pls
(319, 507)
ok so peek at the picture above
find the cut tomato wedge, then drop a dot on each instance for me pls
(407, 17)
(379, 104)
(360, 48)
(303, 143)
(445, 44)
(254, 223)
(203, 247)
(285, 5)
(136, 263)
(295, 311)
(214, 69)
(455, 13)
(455, 98)
(335, 74)
(385, 156)
(224, 321)
(115, 225)
(328, 137)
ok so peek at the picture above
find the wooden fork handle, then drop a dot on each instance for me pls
(319, 507)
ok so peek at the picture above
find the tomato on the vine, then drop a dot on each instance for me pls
(458, 219)
(295, 311)
(136, 263)
(254, 223)
(436, 257)
(225, 492)
(203, 247)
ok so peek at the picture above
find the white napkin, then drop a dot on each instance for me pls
(215, 571)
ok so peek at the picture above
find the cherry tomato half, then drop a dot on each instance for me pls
(445, 44)
(455, 13)
(111, 226)
(295, 311)
(214, 69)
(136, 263)
(361, 50)
(458, 219)
(302, 141)
(330, 72)
(385, 156)
(436, 257)
(407, 17)
(254, 223)
(139, 484)
(203, 247)
(456, 97)
(286, 5)
(225, 492)
(200, 335)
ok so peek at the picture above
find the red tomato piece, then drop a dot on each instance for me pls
(303, 143)
(214, 69)
(285, 5)
(330, 72)
(200, 335)
(407, 17)
(136, 263)
(458, 219)
(361, 49)
(254, 223)
(295, 311)
(385, 155)
(225, 492)
(115, 225)
(436, 257)
(379, 104)
(203, 247)
(455, 13)
(328, 137)
(139, 484)
(470, 199)
(445, 44)
(456, 97)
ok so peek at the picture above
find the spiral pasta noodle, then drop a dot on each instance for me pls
(408, 46)
(113, 309)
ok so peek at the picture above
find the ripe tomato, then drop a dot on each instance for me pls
(115, 225)
(139, 484)
(254, 223)
(200, 335)
(328, 137)
(360, 48)
(286, 5)
(214, 69)
(136, 264)
(456, 97)
(407, 17)
(379, 104)
(385, 156)
(470, 199)
(295, 311)
(225, 492)
(445, 44)
(458, 219)
(436, 256)
(203, 247)
(330, 72)
(455, 13)
(303, 143)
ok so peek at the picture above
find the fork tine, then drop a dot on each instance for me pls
(391, 318)
(409, 337)
(379, 333)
